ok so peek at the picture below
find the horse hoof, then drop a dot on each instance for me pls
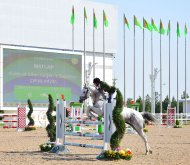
(148, 152)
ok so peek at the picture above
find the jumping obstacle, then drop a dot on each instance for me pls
(75, 112)
(61, 133)
(15, 120)
(171, 116)
(9, 120)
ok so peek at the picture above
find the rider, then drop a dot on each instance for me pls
(98, 102)
(96, 83)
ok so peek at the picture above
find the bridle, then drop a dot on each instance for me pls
(85, 96)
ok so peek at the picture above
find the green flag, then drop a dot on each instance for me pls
(72, 20)
(185, 30)
(85, 15)
(178, 30)
(147, 25)
(162, 30)
(95, 23)
(168, 30)
(153, 25)
(105, 19)
(137, 23)
(126, 22)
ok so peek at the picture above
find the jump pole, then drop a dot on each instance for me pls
(60, 129)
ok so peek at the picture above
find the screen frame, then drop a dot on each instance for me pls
(32, 49)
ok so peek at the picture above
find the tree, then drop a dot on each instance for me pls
(148, 103)
(157, 103)
(174, 102)
(139, 100)
(181, 107)
(183, 95)
(165, 104)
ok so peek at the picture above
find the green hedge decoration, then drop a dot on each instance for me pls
(117, 118)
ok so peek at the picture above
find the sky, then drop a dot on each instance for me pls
(173, 10)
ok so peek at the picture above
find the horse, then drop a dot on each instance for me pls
(132, 117)
(98, 98)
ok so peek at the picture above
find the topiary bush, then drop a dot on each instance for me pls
(177, 125)
(30, 126)
(51, 128)
(116, 152)
(31, 121)
(117, 118)
(118, 121)
(177, 122)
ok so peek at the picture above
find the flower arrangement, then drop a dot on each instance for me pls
(46, 147)
(118, 154)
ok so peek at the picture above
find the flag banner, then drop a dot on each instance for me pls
(147, 25)
(95, 23)
(162, 30)
(72, 20)
(126, 22)
(154, 26)
(178, 30)
(185, 30)
(85, 15)
(168, 30)
(105, 19)
(137, 23)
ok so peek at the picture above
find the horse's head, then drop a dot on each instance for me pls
(85, 94)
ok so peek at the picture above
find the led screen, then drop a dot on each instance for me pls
(33, 75)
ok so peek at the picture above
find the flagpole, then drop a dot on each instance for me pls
(185, 78)
(93, 47)
(177, 78)
(124, 57)
(160, 71)
(143, 70)
(152, 76)
(73, 32)
(169, 70)
(134, 65)
(103, 50)
(84, 47)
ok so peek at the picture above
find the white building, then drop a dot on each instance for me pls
(188, 105)
(33, 34)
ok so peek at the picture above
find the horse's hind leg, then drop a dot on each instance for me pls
(137, 124)
(144, 137)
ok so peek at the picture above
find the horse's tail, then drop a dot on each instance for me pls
(148, 117)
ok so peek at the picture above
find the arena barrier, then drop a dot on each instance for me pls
(61, 133)
(15, 120)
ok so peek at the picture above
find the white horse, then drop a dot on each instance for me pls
(98, 98)
(130, 116)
